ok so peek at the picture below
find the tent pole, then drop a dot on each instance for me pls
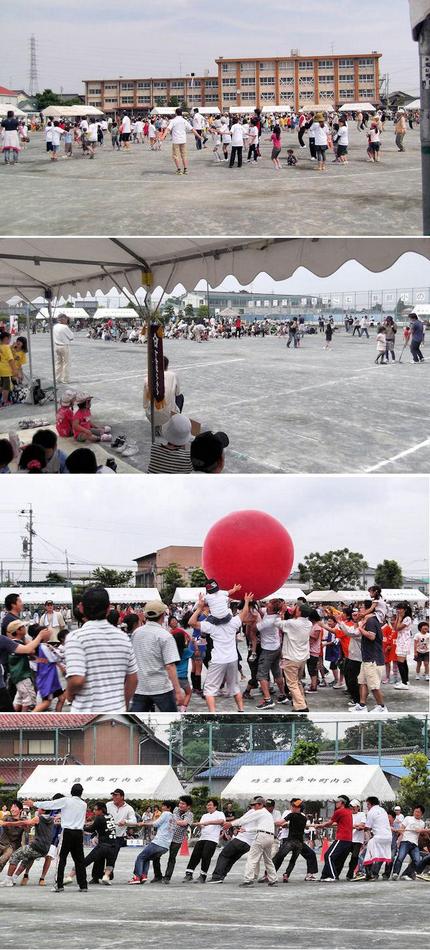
(30, 357)
(379, 742)
(51, 336)
(424, 51)
(336, 742)
(426, 735)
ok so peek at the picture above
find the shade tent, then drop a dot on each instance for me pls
(132, 595)
(269, 110)
(138, 781)
(323, 597)
(208, 110)
(39, 595)
(286, 593)
(308, 782)
(414, 105)
(392, 595)
(357, 107)
(317, 107)
(64, 112)
(115, 313)
(6, 107)
(419, 10)
(187, 595)
(72, 313)
(163, 110)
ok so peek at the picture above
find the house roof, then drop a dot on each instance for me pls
(10, 722)
(229, 768)
(390, 764)
(14, 775)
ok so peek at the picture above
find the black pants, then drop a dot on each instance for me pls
(312, 148)
(6, 704)
(335, 858)
(415, 348)
(403, 669)
(295, 848)
(351, 670)
(356, 848)
(231, 853)
(252, 153)
(202, 854)
(73, 844)
(236, 150)
(100, 855)
(174, 849)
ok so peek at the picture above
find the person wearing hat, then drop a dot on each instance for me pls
(123, 815)
(156, 657)
(101, 668)
(171, 456)
(320, 131)
(63, 337)
(83, 428)
(261, 821)
(10, 646)
(20, 670)
(293, 825)
(53, 619)
(400, 129)
(207, 452)
(341, 847)
(64, 417)
(358, 824)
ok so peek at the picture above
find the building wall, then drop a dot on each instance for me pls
(140, 94)
(150, 569)
(110, 746)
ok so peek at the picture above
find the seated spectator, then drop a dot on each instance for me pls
(83, 428)
(172, 455)
(6, 456)
(32, 461)
(81, 462)
(64, 419)
(207, 452)
(55, 458)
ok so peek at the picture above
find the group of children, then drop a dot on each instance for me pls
(77, 423)
(36, 679)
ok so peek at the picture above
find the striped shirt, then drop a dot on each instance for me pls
(154, 648)
(181, 831)
(104, 655)
(169, 461)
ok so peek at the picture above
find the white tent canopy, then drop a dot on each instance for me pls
(419, 11)
(268, 110)
(317, 107)
(163, 110)
(6, 107)
(357, 107)
(132, 595)
(72, 313)
(115, 313)
(323, 597)
(39, 595)
(209, 110)
(138, 781)
(414, 105)
(187, 595)
(286, 593)
(392, 595)
(59, 112)
(308, 782)
(75, 265)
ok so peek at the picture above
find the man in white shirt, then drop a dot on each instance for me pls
(236, 133)
(232, 851)
(63, 336)
(198, 126)
(378, 850)
(295, 651)
(101, 668)
(123, 814)
(210, 829)
(410, 828)
(126, 130)
(358, 824)
(223, 664)
(262, 822)
(73, 811)
(270, 654)
(178, 128)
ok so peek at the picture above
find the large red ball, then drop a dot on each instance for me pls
(249, 548)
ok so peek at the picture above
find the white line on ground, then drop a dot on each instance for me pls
(267, 927)
(84, 379)
(203, 181)
(400, 455)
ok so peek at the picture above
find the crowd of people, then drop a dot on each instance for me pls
(233, 138)
(112, 659)
(369, 839)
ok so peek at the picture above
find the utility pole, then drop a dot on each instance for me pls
(27, 543)
(424, 48)
(33, 73)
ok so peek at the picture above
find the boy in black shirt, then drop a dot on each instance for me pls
(372, 668)
(294, 842)
(104, 853)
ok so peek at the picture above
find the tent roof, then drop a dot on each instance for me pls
(286, 593)
(5, 107)
(186, 595)
(115, 313)
(38, 595)
(317, 107)
(132, 595)
(415, 104)
(73, 265)
(419, 10)
(391, 594)
(58, 112)
(357, 107)
(309, 782)
(267, 110)
(138, 781)
(73, 313)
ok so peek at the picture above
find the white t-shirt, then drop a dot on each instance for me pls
(218, 603)
(253, 134)
(211, 832)
(342, 137)
(83, 125)
(377, 821)
(104, 655)
(247, 836)
(62, 334)
(92, 132)
(358, 819)
(268, 629)
(320, 133)
(179, 128)
(225, 134)
(121, 813)
(197, 121)
(260, 820)
(413, 827)
(236, 132)
(126, 124)
(48, 133)
(224, 639)
(57, 132)
(295, 645)
(422, 641)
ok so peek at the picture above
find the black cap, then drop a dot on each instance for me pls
(118, 791)
(207, 449)
(270, 802)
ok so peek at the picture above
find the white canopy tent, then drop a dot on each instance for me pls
(132, 595)
(78, 265)
(163, 110)
(317, 107)
(286, 593)
(270, 110)
(209, 110)
(240, 110)
(39, 595)
(323, 597)
(414, 105)
(115, 313)
(138, 781)
(6, 107)
(187, 595)
(72, 313)
(419, 11)
(308, 782)
(392, 595)
(357, 107)
(76, 111)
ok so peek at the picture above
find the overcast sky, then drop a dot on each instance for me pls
(113, 519)
(107, 39)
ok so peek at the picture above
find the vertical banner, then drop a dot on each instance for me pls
(156, 363)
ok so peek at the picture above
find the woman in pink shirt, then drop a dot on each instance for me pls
(276, 146)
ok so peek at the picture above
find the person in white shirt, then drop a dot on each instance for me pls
(402, 623)
(260, 819)
(48, 136)
(358, 824)
(232, 851)
(53, 619)
(178, 128)
(73, 811)
(378, 850)
(320, 131)
(410, 829)
(252, 141)
(210, 826)
(295, 650)
(63, 336)
(123, 814)
(236, 132)
(342, 141)
(217, 601)
(270, 655)
(223, 666)
(126, 130)
(198, 123)
(170, 406)
(225, 137)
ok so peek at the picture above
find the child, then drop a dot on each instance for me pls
(186, 650)
(217, 601)
(329, 330)
(68, 141)
(215, 131)
(55, 457)
(374, 141)
(341, 139)
(152, 135)
(291, 158)
(6, 456)
(20, 670)
(83, 429)
(252, 139)
(389, 640)
(381, 345)
(421, 649)
(226, 137)
(47, 680)
(333, 653)
(276, 146)
(64, 420)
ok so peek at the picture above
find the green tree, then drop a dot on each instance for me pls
(189, 311)
(414, 789)
(389, 574)
(169, 310)
(172, 578)
(107, 577)
(53, 577)
(200, 795)
(173, 102)
(47, 98)
(305, 753)
(334, 570)
(203, 311)
(398, 733)
(198, 577)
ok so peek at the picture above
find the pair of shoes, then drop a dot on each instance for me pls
(136, 879)
(401, 686)
(283, 700)
(358, 708)
(266, 704)
(310, 877)
(106, 880)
